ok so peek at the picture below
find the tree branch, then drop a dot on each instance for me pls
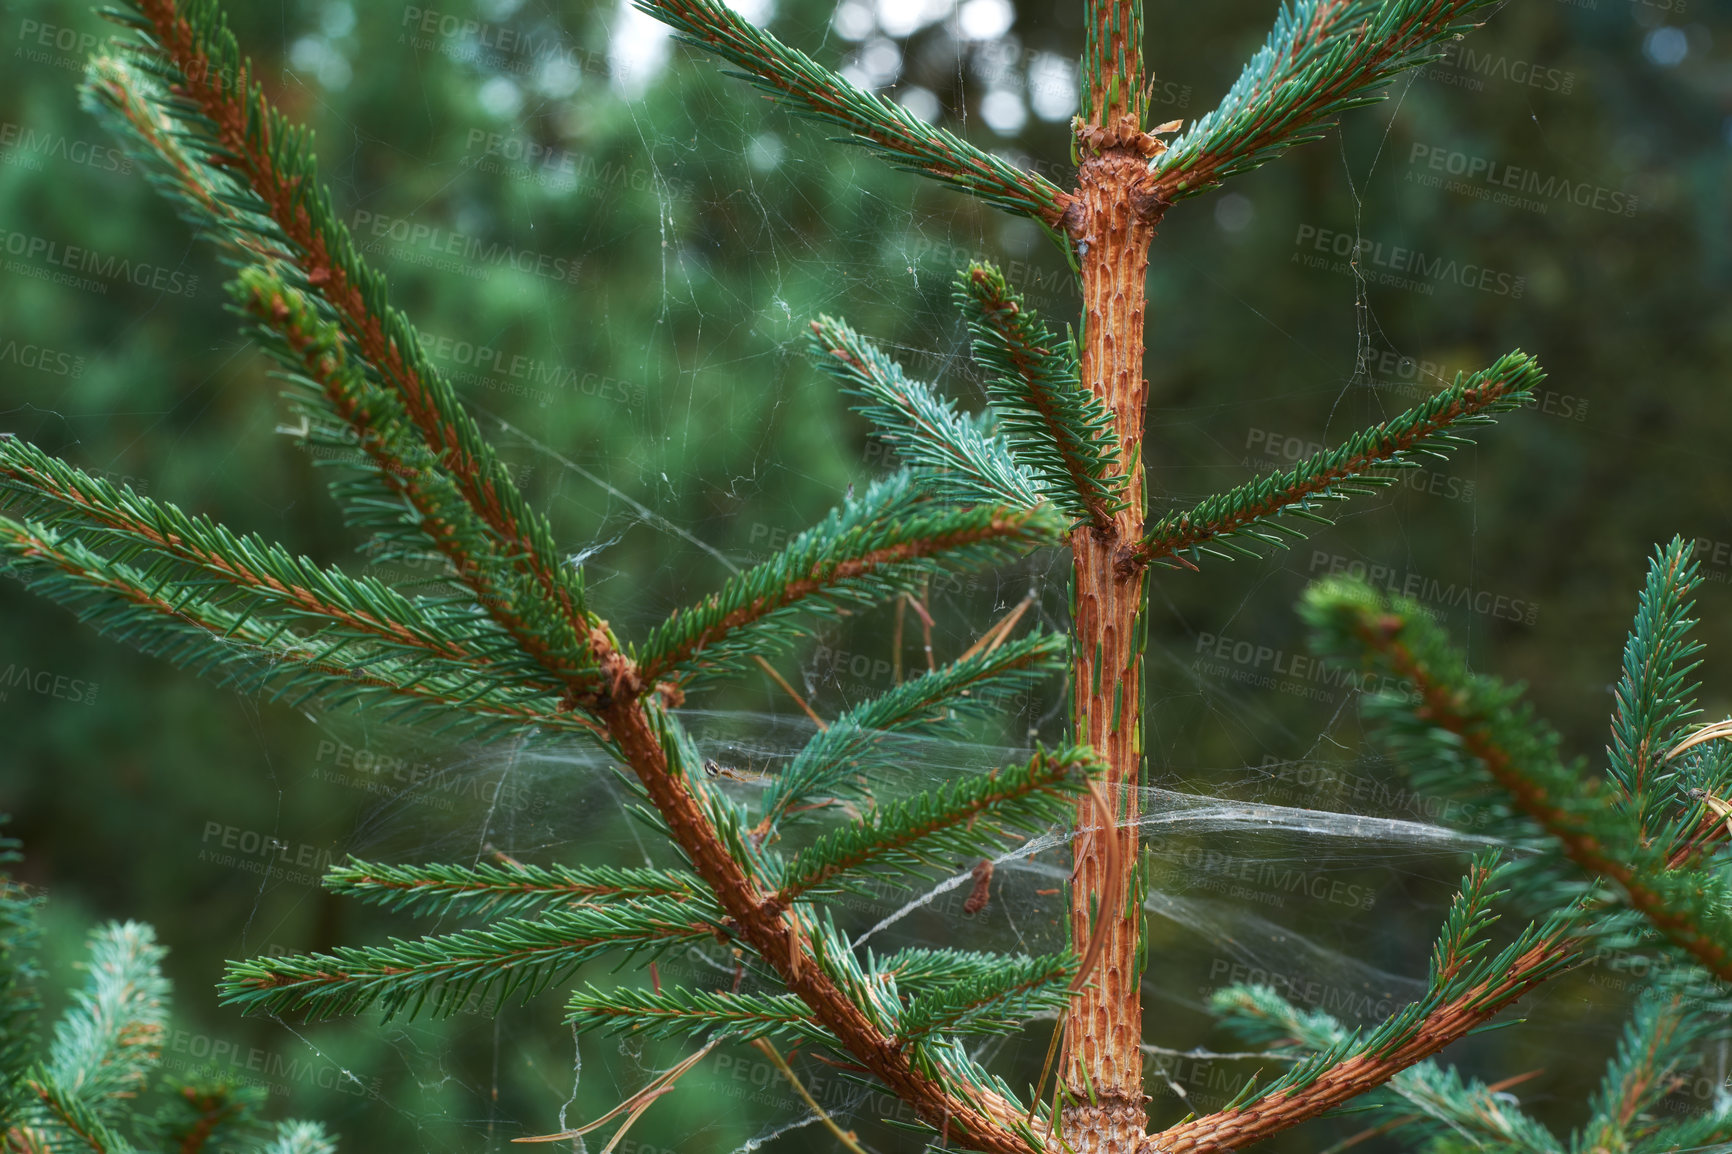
(1322, 58)
(1448, 1022)
(796, 80)
(760, 922)
(237, 136)
(1254, 509)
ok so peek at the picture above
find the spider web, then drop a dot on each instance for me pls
(1277, 843)
(1258, 889)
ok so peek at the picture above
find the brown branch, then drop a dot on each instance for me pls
(823, 575)
(243, 125)
(1189, 530)
(213, 1110)
(34, 547)
(1439, 708)
(408, 483)
(1447, 1023)
(1278, 123)
(1638, 1086)
(759, 921)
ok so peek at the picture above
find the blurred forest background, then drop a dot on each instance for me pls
(615, 251)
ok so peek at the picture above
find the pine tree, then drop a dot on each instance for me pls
(84, 1094)
(1634, 861)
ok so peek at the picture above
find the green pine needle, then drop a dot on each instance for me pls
(208, 1115)
(1654, 695)
(922, 969)
(265, 581)
(959, 457)
(869, 736)
(19, 975)
(66, 1122)
(885, 127)
(192, 626)
(300, 1138)
(1658, 1043)
(111, 1037)
(698, 1015)
(1466, 735)
(187, 104)
(442, 973)
(960, 819)
(1056, 429)
(873, 548)
(1263, 512)
(493, 891)
(1322, 58)
(1463, 985)
(995, 1003)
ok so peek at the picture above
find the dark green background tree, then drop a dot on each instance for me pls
(701, 230)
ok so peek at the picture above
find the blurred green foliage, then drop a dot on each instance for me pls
(648, 380)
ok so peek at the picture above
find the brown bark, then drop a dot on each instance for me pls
(1102, 1065)
(764, 925)
(1340, 1084)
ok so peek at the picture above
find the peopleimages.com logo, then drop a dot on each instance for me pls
(422, 243)
(1397, 266)
(1486, 179)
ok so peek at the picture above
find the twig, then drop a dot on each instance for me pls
(995, 636)
(846, 1137)
(919, 606)
(896, 641)
(822, 725)
(636, 1104)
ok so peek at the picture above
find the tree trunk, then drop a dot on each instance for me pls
(1103, 1060)
(1105, 1111)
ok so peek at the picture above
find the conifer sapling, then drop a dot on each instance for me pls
(1056, 460)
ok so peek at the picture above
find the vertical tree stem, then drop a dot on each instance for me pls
(1113, 63)
(1112, 229)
